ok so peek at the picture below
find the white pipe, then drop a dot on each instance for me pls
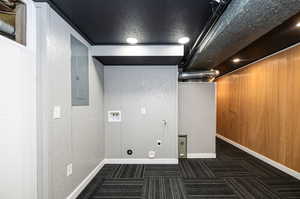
(6, 28)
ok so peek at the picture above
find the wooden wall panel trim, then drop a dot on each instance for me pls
(259, 107)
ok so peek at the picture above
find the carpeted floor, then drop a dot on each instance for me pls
(233, 174)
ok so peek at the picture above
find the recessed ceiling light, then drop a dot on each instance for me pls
(216, 71)
(298, 25)
(236, 60)
(132, 40)
(183, 40)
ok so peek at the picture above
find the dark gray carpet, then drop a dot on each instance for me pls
(233, 174)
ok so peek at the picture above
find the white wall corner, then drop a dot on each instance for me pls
(86, 181)
(201, 155)
(263, 158)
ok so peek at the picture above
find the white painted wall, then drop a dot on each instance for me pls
(130, 88)
(17, 115)
(88, 127)
(197, 117)
(78, 136)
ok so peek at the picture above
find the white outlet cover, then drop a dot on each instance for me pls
(151, 154)
(143, 111)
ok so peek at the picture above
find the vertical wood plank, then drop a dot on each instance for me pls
(259, 107)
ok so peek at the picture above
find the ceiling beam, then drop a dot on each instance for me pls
(137, 50)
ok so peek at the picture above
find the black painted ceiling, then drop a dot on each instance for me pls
(139, 60)
(150, 21)
(104, 22)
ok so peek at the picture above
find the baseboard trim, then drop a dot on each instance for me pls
(201, 155)
(86, 181)
(263, 158)
(141, 161)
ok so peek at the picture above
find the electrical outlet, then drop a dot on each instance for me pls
(114, 116)
(69, 169)
(151, 154)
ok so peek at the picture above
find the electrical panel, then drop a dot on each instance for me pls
(79, 73)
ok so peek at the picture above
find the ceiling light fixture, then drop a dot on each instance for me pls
(132, 40)
(236, 60)
(184, 40)
(298, 25)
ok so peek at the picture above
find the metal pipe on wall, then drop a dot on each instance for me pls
(200, 75)
(8, 3)
(217, 13)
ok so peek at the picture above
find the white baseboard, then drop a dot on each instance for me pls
(201, 155)
(86, 181)
(141, 161)
(263, 158)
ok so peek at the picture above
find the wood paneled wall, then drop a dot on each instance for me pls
(259, 107)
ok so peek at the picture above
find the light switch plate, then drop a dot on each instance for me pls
(56, 112)
(143, 111)
(69, 169)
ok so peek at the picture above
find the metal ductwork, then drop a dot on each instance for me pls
(8, 3)
(198, 76)
(243, 22)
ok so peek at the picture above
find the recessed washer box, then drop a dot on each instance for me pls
(114, 116)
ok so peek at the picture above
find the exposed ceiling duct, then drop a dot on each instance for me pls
(243, 22)
(9, 3)
(198, 76)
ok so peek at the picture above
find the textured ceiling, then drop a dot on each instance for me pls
(160, 22)
(150, 21)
